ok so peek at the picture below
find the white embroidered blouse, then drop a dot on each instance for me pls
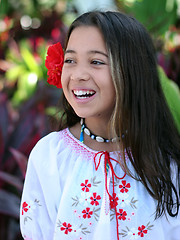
(65, 197)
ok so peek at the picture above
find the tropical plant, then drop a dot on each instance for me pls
(172, 94)
(25, 68)
(19, 132)
(157, 16)
(27, 103)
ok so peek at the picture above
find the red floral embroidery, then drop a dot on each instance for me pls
(66, 227)
(87, 213)
(54, 63)
(124, 187)
(25, 207)
(113, 200)
(94, 199)
(142, 231)
(86, 186)
(122, 214)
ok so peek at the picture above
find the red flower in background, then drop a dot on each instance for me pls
(54, 63)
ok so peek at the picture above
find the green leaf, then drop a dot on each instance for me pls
(4, 7)
(30, 61)
(25, 89)
(172, 95)
(13, 73)
(155, 15)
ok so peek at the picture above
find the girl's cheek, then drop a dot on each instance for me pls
(63, 77)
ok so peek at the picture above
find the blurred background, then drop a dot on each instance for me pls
(28, 103)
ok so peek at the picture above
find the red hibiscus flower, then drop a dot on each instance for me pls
(87, 213)
(122, 214)
(54, 63)
(66, 227)
(95, 199)
(113, 201)
(124, 187)
(25, 207)
(86, 186)
(142, 231)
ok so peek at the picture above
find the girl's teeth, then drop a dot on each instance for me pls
(83, 94)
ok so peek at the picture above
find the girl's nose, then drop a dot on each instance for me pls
(80, 74)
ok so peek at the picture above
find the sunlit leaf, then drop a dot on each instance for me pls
(25, 89)
(30, 61)
(13, 73)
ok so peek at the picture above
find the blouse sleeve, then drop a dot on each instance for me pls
(39, 201)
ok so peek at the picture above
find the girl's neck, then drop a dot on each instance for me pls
(98, 128)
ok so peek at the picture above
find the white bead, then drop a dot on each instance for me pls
(99, 139)
(114, 140)
(87, 131)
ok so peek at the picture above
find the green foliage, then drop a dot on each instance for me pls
(26, 70)
(27, 102)
(155, 15)
(172, 94)
(30, 7)
(4, 7)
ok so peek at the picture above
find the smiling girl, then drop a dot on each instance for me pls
(112, 171)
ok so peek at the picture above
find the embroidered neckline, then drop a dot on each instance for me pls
(84, 145)
(82, 148)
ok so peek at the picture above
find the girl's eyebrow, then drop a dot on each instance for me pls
(99, 52)
(69, 51)
(91, 52)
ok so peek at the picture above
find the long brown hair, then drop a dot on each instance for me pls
(141, 114)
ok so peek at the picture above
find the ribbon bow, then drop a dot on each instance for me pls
(108, 166)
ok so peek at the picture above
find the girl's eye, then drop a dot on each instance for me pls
(97, 62)
(68, 61)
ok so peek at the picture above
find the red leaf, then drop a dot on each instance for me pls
(21, 160)
(8, 178)
(9, 204)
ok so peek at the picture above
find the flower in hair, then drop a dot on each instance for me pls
(54, 63)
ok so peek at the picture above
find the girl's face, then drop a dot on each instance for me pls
(86, 77)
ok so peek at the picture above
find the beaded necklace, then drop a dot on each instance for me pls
(86, 130)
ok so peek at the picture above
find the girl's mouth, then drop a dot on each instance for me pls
(83, 94)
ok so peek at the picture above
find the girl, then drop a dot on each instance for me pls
(112, 172)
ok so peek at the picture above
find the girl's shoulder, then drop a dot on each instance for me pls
(48, 146)
(49, 141)
(59, 144)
